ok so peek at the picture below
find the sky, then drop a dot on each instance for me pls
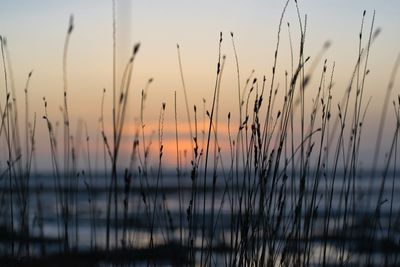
(36, 30)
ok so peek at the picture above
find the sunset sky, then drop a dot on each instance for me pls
(36, 30)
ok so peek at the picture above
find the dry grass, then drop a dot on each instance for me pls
(289, 195)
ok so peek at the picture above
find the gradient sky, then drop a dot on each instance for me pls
(35, 32)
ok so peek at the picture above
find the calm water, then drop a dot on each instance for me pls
(87, 197)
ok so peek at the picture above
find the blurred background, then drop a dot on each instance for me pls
(36, 30)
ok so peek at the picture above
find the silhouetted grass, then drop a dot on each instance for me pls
(283, 192)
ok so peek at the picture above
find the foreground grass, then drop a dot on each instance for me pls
(287, 194)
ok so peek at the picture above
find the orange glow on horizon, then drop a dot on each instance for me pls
(185, 143)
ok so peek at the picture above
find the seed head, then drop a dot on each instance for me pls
(71, 24)
(136, 48)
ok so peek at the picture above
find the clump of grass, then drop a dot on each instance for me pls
(287, 197)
